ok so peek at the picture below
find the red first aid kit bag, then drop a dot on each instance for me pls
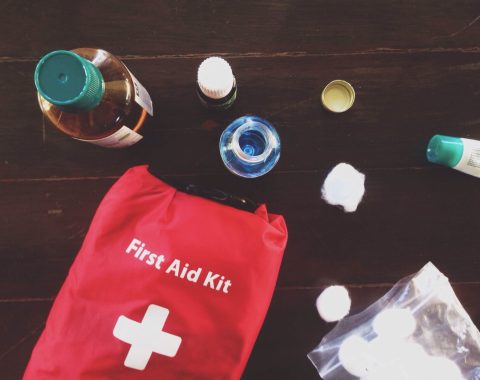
(167, 285)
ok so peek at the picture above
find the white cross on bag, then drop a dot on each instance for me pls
(146, 337)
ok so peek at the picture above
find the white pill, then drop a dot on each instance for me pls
(355, 356)
(333, 303)
(394, 323)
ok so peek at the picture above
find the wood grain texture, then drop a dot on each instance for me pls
(415, 67)
(183, 27)
(21, 323)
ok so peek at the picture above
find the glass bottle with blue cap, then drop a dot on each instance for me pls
(90, 95)
(250, 146)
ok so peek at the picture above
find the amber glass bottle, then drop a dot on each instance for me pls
(90, 95)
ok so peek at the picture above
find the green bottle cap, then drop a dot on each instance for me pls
(69, 81)
(445, 150)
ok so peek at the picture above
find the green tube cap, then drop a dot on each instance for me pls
(69, 81)
(445, 150)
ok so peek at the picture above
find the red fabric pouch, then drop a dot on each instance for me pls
(166, 285)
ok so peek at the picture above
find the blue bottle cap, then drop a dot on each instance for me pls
(69, 81)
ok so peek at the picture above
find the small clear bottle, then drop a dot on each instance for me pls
(250, 147)
(216, 84)
(90, 95)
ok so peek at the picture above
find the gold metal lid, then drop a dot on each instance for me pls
(338, 96)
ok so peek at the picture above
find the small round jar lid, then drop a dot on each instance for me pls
(338, 96)
(215, 77)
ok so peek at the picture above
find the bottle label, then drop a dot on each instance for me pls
(120, 139)
(142, 97)
(470, 161)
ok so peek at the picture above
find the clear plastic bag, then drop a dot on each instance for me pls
(417, 331)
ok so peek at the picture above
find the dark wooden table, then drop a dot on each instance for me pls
(415, 65)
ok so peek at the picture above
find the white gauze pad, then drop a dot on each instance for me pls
(344, 186)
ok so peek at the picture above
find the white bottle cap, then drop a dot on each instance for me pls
(215, 77)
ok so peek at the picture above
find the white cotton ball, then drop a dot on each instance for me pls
(415, 363)
(386, 350)
(333, 303)
(442, 368)
(355, 356)
(413, 354)
(397, 359)
(394, 323)
(387, 372)
(344, 186)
